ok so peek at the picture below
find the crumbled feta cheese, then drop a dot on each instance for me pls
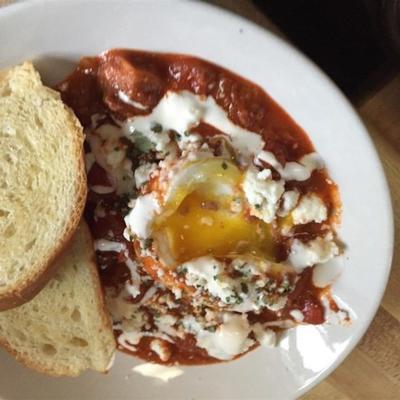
(262, 195)
(264, 174)
(140, 218)
(189, 140)
(203, 273)
(265, 336)
(143, 173)
(276, 305)
(165, 324)
(316, 251)
(289, 201)
(177, 293)
(311, 208)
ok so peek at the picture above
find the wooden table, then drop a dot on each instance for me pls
(372, 370)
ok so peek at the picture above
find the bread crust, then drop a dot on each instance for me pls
(37, 279)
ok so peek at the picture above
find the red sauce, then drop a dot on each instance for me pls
(145, 77)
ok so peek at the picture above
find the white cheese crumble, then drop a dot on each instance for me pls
(262, 194)
(241, 295)
(140, 218)
(289, 201)
(143, 173)
(316, 251)
(311, 208)
(165, 324)
(265, 336)
(203, 273)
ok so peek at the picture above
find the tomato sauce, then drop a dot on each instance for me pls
(93, 88)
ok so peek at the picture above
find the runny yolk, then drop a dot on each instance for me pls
(205, 225)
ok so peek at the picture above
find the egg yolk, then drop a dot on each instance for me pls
(201, 218)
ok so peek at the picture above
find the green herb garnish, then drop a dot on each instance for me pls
(156, 127)
(148, 243)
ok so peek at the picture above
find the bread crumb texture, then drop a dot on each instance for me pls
(42, 180)
(65, 329)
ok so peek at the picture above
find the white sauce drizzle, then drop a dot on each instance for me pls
(127, 100)
(108, 245)
(183, 111)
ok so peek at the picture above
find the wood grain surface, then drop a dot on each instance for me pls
(372, 370)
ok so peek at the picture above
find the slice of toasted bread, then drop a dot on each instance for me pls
(65, 329)
(42, 182)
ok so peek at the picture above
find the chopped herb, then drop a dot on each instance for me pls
(215, 277)
(143, 144)
(186, 133)
(244, 287)
(116, 148)
(211, 328)
(228, 299)
(133, 154)
(177, 135)
(239, 300)
(181, 271)
(147, 243)
(224, 165)
(156, 127)
(271, 301)
(257, 206)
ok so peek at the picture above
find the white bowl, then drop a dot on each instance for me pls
(56, 33)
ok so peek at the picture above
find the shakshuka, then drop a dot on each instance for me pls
(209, 206)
